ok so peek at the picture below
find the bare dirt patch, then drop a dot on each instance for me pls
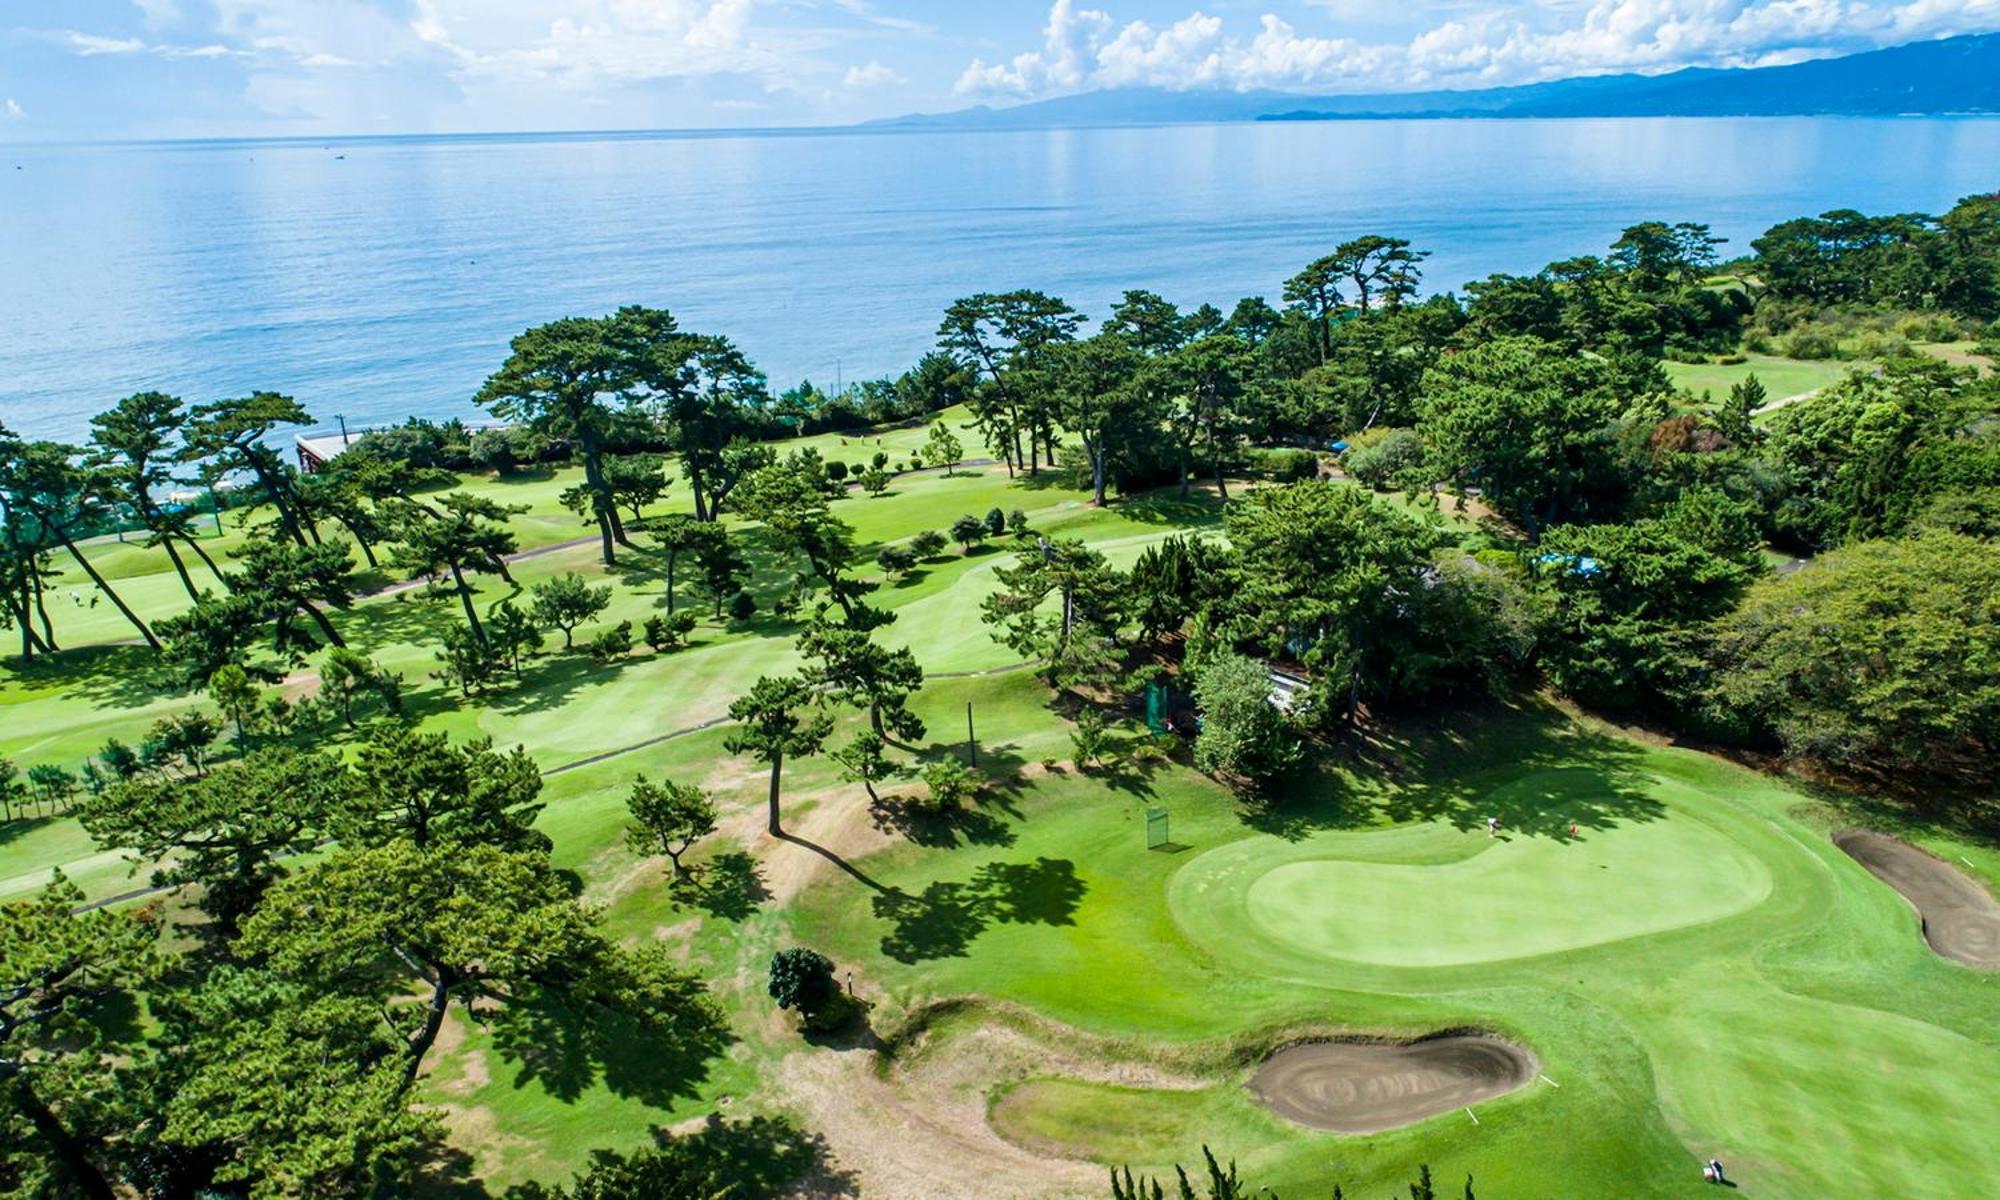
(1368, 1087)
(1961, 919)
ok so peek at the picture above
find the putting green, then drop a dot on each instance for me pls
(1438, 896)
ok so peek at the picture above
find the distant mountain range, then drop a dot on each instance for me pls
(1950, 76)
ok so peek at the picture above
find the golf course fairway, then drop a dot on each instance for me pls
(1695, 971)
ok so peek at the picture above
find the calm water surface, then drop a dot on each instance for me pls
(377, 278)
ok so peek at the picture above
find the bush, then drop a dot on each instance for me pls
(968, 531)
(874, 481)
(896, 561)
(1870, 343)
(612, 643)
(928, 544)
(950, 783)
(1243, 736)
(836, 471)
(1809, 344)
(668, 630)
(1732, 360)
(996, 523)
(1087, 741)
(802, 980)
(742, 606)
(1017, 523)
(1932, 327)
(1378, 461)
(881, 460)
(1285, 466)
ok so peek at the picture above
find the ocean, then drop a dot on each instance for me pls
(377, 278)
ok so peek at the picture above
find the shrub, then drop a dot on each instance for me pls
(1017, 523)
(950, 783)
(1287, 466)
(612, 643)
(802, 980)
(881, 460)
(1870, 343)
(667, 630)
(836, 471)
(1087, 741)
(1380, 460)
(928, 544)
(1243, 736)
(874, 481)
(742, 606)
(996, 523)
(1933, 327)
(1809, 344)
(967, 531)
(896, 561)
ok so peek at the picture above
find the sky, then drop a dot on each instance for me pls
(115, 69)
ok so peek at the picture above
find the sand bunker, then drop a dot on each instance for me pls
(1961, 920)
(1367, 1087)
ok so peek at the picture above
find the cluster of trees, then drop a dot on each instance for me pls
(1875, 658)
(277, 1054)
(1629, 561)
(1904, 260)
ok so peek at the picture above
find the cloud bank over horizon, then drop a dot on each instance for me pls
(1086, 49)
(140, 68)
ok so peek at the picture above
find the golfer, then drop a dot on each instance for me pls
(1493, 827)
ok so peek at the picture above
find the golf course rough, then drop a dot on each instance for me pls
(1960, 919)
(1369, 1087)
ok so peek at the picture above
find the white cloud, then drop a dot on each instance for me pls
(11, 111)
(89, 45)
(1070, 42)
(587, 43)
(872, 75)
(1477, 47)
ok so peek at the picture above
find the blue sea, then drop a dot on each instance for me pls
(382, 277)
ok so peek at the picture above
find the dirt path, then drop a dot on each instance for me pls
(1961, 919)
(1369, 1087)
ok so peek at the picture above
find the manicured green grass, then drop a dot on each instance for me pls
(1433, 895)
(1699, 970)
(1782, 377)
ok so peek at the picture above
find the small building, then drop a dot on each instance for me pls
(1285, 688)
(317, 450)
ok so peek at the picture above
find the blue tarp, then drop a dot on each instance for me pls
(1578, 564)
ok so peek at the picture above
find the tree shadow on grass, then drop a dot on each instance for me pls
(1200, 509)
(14, 828)
(103, 676)
(1124, 771)
(570, 1045)
(943, 920)
(729, 886)
(553, 683)
(1529, 764)
(948, 829)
